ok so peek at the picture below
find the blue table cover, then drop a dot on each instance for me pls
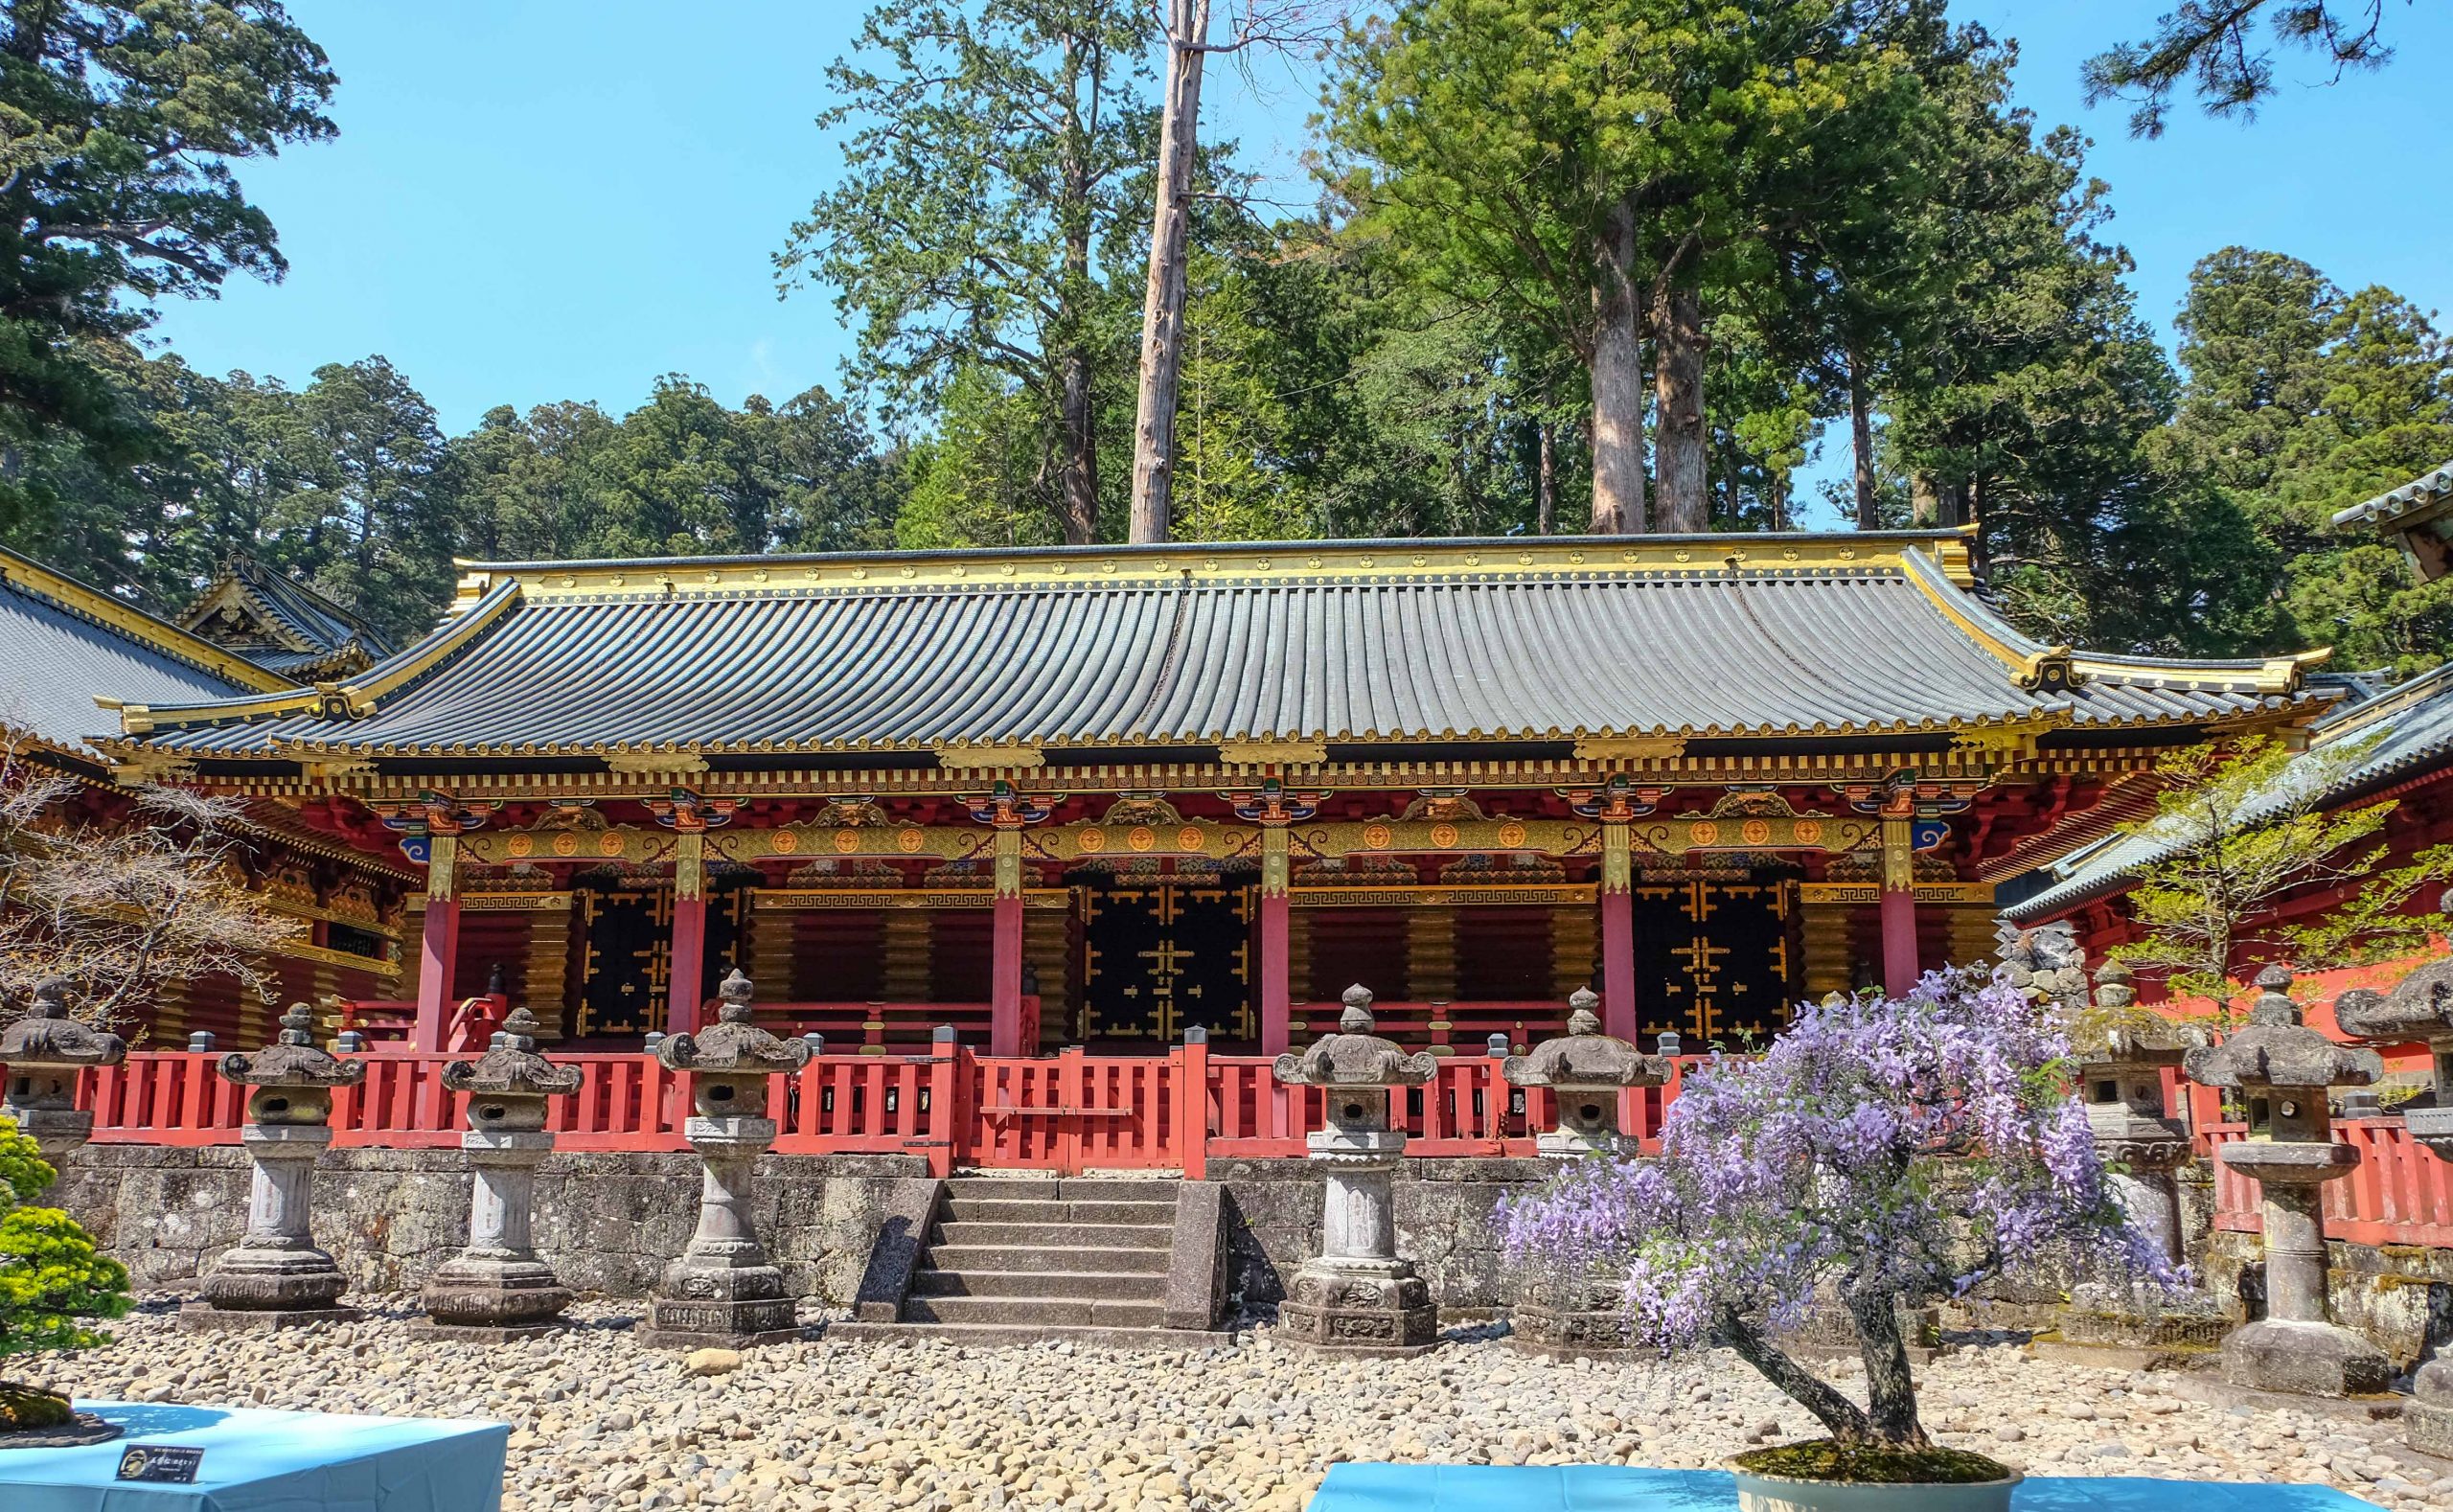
(258, 1461)
(1625, 1488)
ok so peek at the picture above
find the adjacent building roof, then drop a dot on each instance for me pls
(2418, 516)
(2427, 491)
(981, 657)
(2409, 730)
(63, 642)
(281, 625)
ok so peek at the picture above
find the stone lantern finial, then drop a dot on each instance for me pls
(1584, 1012)
(1357, 1018)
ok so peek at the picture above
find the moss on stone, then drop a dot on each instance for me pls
(1871, 1464)
(23, 1407)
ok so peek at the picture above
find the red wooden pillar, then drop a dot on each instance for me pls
(1005, 981)
(686, 988)
(1619, 1017)
(1005, 950)
(1900, 968)
(1277, 998)
(439, 945)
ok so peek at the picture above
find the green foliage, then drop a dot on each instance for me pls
(52, 1280)
(2212, 46)
(994, 182)
(2303, 399)
(2237, 829)
(118, 122)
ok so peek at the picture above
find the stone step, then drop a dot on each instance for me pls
(1071, 1188)
(962, 1206)
(1089, 1286)
(1033, 1312)
(1118, 1189)
(1017, 1335)
(1034, 1188)
(1043, 1236)
(1064, 1257)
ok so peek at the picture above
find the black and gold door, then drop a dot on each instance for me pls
(1712, 958)
(1160, 957)
(626, 954)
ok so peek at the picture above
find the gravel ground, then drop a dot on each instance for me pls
(599, 1422)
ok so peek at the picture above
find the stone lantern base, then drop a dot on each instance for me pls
(482, 1297)
(1563, 1319)
(2306, 1358)
(737, 1323)
(705, 1302)
(2427, 1418)
(258, 1287)
(1361, 1307)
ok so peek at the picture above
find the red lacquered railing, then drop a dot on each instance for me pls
(2398, 1194)
(877, 1027)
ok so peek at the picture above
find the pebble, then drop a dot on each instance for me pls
(832, 1426)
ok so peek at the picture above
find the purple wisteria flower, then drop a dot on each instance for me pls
(1881, 1153)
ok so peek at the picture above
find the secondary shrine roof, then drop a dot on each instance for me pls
(62, 642)
(280, 624)
(982, 657)
(2395, 735)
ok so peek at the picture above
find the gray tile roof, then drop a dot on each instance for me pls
(2428, 489)
(58, 653)
(1203, 645)
(2412, 727)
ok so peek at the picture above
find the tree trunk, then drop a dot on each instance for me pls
(1678, 449)
(1844, 1418)
(1617, 368)
(1081, 465)
(1890, 1389)
(1162, 301)
(1546, 478)
(1860, 442)
(1924, 500)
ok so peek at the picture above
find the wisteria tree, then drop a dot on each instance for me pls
(1881, 1153)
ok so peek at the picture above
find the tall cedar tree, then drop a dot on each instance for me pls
(986, 190)
(1587, 166)
(118, 122)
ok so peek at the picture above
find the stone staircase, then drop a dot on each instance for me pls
(1014, 1259)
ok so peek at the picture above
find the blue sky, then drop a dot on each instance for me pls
(532, 201)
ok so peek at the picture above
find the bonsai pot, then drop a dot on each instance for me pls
(1763, 1490)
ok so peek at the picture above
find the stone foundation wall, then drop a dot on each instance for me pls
(1446, 1211)
(607, 1221)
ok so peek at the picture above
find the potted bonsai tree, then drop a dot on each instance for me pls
(52, 1281)
(1882, 1153)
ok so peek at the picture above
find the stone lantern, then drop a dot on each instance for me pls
(275, 1277)
(1359, 1296)
(42, 1053)
(496, 1287)
(2280, 1062)
(723, 1290)
(2120, 1076)
(2419, 1007)
(1585, 1071)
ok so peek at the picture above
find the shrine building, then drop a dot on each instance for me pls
(1102, 795)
